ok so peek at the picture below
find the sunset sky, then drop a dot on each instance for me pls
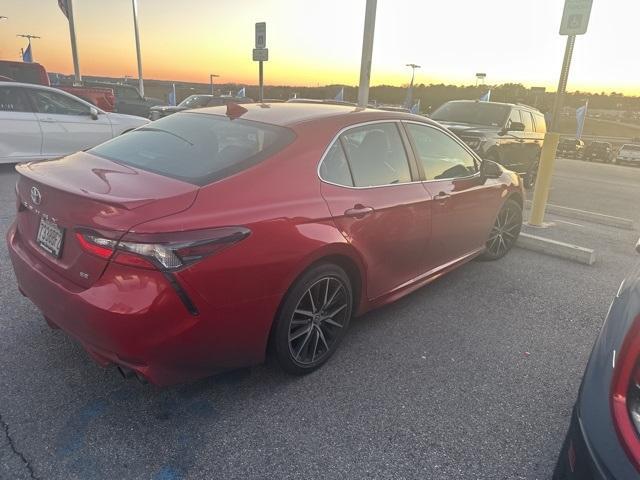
(319, 42)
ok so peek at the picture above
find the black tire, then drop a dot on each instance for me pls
(530, 178)
(505, 231)
(313, 319)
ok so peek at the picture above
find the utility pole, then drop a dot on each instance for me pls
(211, 77)
(367, 52)
(74, 45)
(134, 4)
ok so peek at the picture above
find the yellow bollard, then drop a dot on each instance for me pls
(543, 183)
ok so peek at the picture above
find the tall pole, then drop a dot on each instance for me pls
(409, 100)
(134, 3)
(28, 37)
(261, 80)
(367, 52)
(74, 45)
(211, 77)
(551, 140)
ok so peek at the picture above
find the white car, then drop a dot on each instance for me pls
(629, 154)
(38, 122)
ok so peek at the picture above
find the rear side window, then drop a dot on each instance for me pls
(376, 155)
(196, 148)
(13, 99)
(334, 167)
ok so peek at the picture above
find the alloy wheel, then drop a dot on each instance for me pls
(321, 313)
(505, 231)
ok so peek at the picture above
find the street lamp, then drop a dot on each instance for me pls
(409, 98)
(2, 17)
(211, 77)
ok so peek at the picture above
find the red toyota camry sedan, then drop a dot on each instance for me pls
(196, 243)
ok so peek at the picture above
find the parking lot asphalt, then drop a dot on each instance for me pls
(471, 377)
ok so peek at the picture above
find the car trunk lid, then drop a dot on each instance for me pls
(89, 192)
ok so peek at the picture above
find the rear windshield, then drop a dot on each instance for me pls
(478, 113)
(196, 148)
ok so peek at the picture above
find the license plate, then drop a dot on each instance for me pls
(50, 237)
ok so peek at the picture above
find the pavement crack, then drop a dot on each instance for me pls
(15, 451)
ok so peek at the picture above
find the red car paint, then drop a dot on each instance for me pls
(133, 316)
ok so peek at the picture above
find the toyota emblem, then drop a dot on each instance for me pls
(36, 197)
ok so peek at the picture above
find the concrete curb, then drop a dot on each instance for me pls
(618, 222)
(586, 256)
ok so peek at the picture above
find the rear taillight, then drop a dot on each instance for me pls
(625, 393)
(166, 251)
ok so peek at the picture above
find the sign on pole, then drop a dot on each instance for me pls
(260, 54)
(575, 18)
(261, 35)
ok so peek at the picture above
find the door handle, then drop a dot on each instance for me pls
(442, 197)
(358, 211)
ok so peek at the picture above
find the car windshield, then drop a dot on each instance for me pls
(196, 148)
(631, 148)
(478, 113)
(195, 101)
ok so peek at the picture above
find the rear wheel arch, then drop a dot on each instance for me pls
(516, 197)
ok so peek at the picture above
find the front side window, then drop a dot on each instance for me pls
(13, 100)
(376, 155)
(441, 156)
(196, 148)
(514, 118)
(527, 119)
(57, 103)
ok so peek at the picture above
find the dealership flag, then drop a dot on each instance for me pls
(26, 55)
(486, 97)
(340, 95)
(581, 115)
(64, 7)
(172, 96)
(416, 107)
(241, 93)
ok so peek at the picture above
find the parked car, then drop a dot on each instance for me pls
(600, 151)
(570, 148)
(196, 101)
(190, 245)
(628, 155)
(128, 98)
(35, 73)
(603, 441)
(38, 122)
(512, 135)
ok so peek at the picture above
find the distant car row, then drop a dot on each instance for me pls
(628, 154)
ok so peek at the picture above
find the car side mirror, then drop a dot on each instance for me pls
(515, 127)
(638, 246)
(490, 169)
(93, 111)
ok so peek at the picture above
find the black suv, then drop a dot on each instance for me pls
(128, 98)
(598, 151)
(509, 134)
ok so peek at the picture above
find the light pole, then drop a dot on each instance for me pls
(134, 4)
(367, 52)
(29, 37)
(2, 17)
(409, 98)
(211, 77)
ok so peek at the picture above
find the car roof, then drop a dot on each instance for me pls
(28, 85)
(290, 114)
(519, 105)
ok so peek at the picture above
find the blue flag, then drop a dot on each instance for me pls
(340, 95)
(486, 97)
(581, 115)
(416, 107)
(241, 93)
(172, 96)
(26, 55)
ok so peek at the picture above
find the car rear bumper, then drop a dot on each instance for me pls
(134, 318)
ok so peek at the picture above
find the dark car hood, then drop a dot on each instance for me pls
(167, 108)
(468, 129)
